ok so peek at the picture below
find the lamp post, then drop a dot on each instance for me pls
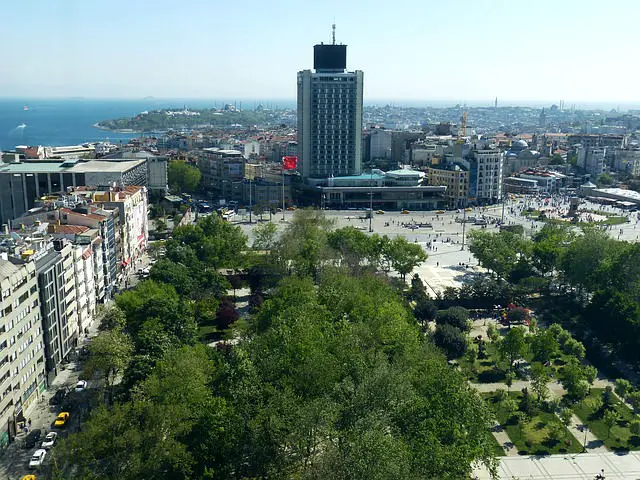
(371, 201)
(464, 225)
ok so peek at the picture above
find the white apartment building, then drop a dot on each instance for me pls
(593, 160)
(22, 364)
(85, 288)
(486, 167)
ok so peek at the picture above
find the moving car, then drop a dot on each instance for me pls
(37, 458)
(32, 438)
(81, 385)
(61, 419)
(380, 212)
(49, 440)
(440, 212)
(291, 209)
(405, 212)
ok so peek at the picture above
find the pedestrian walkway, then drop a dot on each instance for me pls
(503, 439)
(585, 436)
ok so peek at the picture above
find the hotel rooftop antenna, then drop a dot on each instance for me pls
(333, 33)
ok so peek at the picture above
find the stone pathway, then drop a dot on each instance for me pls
(503, 439)
(585, 436)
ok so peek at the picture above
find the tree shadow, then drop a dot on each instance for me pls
(490, 376)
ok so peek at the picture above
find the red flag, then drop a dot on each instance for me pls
(289, 163)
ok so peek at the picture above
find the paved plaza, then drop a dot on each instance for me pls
(567, 467)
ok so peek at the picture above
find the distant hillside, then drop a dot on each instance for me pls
(158, 120)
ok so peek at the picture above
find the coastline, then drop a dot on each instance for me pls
(118, 130)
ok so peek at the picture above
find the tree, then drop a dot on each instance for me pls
(493, 333)
(303, 248)
(175, 274)
(498, 252)
(451, 339)
(634, 399)
(183, 177)
(404, 256)
(227, 314)
(513, 345)
(455, 316)
(425, 310)
(539, 380)
(574, 348)
(610, 418)
(544, 345)
(634, 427)
(509, 378)
(566, 416)
(607, 397)
(265, 236)
(109, 354)
(517, 315)
(112, 319)
(623, 387)
(605, 180)
(574, 379)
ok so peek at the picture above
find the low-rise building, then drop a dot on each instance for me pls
(456, 179)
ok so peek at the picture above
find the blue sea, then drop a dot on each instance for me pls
(54, 122)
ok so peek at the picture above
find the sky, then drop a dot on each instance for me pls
(445, 50)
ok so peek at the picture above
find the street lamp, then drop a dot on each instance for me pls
(371, 200)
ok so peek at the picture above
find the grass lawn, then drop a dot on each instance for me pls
(486, 370)
(620, 438)
(533, 436)
(614, 221)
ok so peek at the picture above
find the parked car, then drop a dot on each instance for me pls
(61, 419)
(81, 385)
(405, 212)
(32, 438)
(380, 212)
(440, 212)
(49, 440)
(37, 458)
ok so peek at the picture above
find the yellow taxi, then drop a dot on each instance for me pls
(468, 209)
(440, 212)
(405, 212)
(380, 212)
(61, 419)
(291, 209)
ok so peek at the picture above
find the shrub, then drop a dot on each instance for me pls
(455, 316)
(450, 339)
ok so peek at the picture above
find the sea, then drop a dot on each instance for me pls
(56, 122)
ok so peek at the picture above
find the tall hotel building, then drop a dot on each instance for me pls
(329, 116)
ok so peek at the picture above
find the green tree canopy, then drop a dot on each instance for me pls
(183, 177)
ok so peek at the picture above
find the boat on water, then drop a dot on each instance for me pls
(22, 125)
(25, 108)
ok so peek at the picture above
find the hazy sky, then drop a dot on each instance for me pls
(458, 50)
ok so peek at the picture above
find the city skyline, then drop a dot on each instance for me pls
(409, 51)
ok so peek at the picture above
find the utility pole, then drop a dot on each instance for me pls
(503, 200)
(464, 225)
(250, 205)
(371, 201)
(283, 194)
